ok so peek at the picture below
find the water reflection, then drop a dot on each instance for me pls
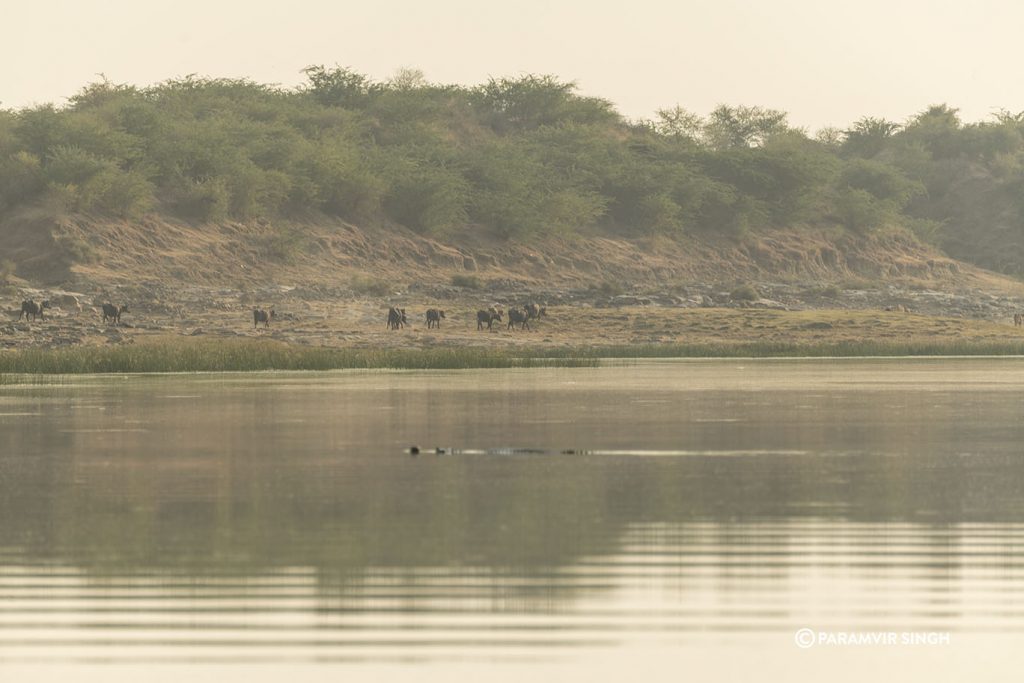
(229, 519)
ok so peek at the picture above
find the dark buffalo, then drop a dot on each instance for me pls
(487, 318)
(535, 311)
(396, 318)
(31, 308)
(261, 316)
(434, 317)
(112, 312)
(516, 316)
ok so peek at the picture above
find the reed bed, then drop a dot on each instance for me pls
(240, 356)
(839, 349)
(233, 356)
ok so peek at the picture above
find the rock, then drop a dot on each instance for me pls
(706, 301)
(769, 304)
(629, 300)
(68, 302)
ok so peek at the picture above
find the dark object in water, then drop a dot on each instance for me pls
(492, 451)
(414, 450)
(602, 452)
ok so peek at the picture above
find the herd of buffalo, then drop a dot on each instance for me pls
(396, 318)
(31, 308)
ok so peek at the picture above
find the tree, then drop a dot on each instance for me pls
(871, 194)
(736, 127)
(937, 129)
(100, 93)
(1007, 117)
(680, 123)
(830, 136)
(532, 101)
(407, 79)
(338, 87)
(868, 136)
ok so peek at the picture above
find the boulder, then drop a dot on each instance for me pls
(67, 302)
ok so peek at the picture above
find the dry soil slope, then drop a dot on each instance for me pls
(98, 250)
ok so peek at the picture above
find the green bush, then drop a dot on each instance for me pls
(466, 281)
(283, 244)
(7, 270)
(75, 249)
(370, 286)
(518, 158)
(207, 200)
(744, 293)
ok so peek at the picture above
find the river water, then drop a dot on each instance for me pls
(663, 520)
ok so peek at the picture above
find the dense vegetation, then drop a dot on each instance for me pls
(229, 356)
(514, 157)
(31, 365)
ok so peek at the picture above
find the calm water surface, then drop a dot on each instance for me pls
(274, 527)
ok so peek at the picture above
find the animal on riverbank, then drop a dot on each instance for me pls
(261, 316)
(434, 317)
(396, 318)
(487, 317)
(31, 308)
(112, 312)
(535, 311)
(1018, 319)
(520, 317)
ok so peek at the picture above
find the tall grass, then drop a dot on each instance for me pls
(232, 356)
(862, 348)
(240, 356)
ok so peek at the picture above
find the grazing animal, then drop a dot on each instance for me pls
(396, 318)
(31, 308)
(535, 311)
(1018, 319)
(261, 316)
(517, 316)
(487, 317)
(113, 312)
(434, 318)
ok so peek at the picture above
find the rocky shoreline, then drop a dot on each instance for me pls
(322, 315)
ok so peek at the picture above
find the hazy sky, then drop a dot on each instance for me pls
(827, 62)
